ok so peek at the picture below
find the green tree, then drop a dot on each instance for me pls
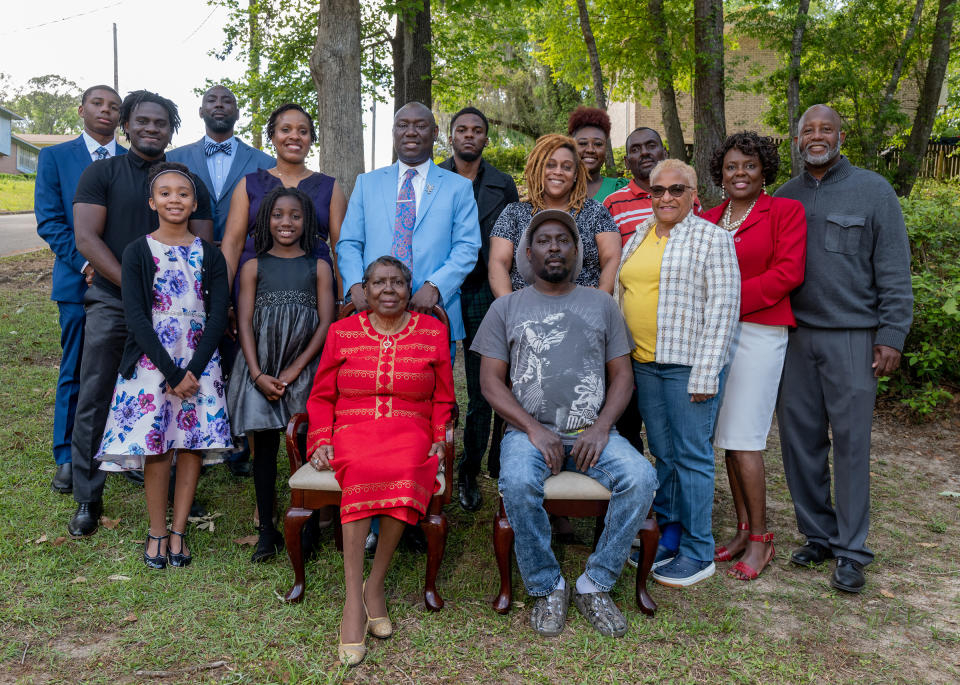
(48, 104)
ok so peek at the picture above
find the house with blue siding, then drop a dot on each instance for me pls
(17, 156)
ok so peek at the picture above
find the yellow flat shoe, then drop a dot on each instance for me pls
(351, 653)
(380, 626)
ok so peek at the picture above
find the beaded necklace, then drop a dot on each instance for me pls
(732, 226)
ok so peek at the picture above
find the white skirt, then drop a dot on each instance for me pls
(750, 394)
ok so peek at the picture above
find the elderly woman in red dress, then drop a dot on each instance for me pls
(381, 399)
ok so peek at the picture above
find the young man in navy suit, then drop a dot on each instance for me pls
(220, 159)
(58, 170)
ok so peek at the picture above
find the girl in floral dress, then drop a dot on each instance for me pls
(283, 311)
(169, 402)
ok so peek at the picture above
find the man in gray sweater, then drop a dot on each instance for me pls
(853, 313)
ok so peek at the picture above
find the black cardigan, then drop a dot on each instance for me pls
(138, 269)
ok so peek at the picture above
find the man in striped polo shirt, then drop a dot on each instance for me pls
(632, 205)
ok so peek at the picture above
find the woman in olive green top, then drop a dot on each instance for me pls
(590, 128)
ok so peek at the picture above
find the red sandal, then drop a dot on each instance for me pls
(747, 572)
(722, 553)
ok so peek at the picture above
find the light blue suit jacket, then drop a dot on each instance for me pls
(446, 237)
(58, 172)
(246, 160)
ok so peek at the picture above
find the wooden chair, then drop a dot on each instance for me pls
(311, 490)
(577, 496)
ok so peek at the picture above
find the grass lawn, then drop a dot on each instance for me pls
(89, 611)
(16, 193)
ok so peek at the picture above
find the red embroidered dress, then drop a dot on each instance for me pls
(381, 401)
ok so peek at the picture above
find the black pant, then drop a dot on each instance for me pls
(105, 333)
(476, 432)
(266, 444)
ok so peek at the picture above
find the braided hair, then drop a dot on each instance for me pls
(537, 162)
(263, 238)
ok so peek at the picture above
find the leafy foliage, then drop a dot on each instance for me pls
(931, 357)
(47, 103)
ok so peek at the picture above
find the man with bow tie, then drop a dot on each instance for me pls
(220, 159)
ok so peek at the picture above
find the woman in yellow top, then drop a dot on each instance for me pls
(679, 290)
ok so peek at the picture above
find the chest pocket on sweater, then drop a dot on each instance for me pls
(843, 233)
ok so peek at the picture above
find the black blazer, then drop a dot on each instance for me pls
(138, 270)
(496, 190)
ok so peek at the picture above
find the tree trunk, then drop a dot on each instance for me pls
(253, 66)
(599, 95)
(335, 67)
(412, 80)
(709, 121)
(872, 143)
(668, 96)
(916, 148)
(793, 84)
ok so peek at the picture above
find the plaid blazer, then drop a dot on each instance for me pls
(699, 301)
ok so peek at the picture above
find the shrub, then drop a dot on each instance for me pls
(931, 356)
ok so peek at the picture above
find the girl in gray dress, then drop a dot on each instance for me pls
(285, 305)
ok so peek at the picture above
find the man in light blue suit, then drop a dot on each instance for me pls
(58, 171)
(414, 210)
(219, 158)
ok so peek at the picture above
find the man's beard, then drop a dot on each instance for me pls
(469, 156)
(554, 276)
(821, 160)
(220, 125)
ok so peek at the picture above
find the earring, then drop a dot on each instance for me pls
(723, 193)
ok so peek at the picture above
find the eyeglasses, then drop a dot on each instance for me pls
(676, 190)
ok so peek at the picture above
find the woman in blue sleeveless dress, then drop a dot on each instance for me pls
(291, 132)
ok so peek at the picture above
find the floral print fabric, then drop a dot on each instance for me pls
(145, 417)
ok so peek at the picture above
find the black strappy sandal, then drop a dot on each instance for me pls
(178, 559)
(160, 561)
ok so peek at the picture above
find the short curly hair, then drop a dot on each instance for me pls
(582, 117)
(139, 97)
(272, 121)
(751, 144)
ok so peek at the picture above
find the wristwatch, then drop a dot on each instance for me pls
(434, 285)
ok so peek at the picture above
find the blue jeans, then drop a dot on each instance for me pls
(621, 469)
(678, 434)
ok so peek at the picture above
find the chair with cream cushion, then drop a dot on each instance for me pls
(573, 495)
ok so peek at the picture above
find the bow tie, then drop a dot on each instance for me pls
(210, 149)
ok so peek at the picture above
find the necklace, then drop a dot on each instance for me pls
(296, 179)
(388, 341)
(732, 226)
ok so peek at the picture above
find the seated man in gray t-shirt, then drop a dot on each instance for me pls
(560, 342)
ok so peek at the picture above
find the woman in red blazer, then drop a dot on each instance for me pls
(770, 236)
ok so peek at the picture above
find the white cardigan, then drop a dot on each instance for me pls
(699, 300)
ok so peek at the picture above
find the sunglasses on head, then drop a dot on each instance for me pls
(676, 190)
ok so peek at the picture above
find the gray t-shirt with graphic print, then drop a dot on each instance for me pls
(557, 347)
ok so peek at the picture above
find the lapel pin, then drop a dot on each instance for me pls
(429, 188)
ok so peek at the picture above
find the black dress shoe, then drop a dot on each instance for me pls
(811, 553)
(269, 544)
(414, 539)
(135, 477)
(848, 575)
(469, 492)
(370, 544)
(240, 469)
(86, 519)
(63, 479)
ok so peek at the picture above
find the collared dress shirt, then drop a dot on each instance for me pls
(94, 145)
(219, 163)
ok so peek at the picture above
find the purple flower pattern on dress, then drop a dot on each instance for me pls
(169, 331)
(172, 282)
(161, 301)
(126, 411)
(194, 334)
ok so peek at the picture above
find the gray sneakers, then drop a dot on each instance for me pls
(550, 612)
(601, 613)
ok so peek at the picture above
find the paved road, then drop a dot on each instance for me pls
(18, 233)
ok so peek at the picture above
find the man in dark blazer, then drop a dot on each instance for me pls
(58, 170)
(219, 158)
(493, 190)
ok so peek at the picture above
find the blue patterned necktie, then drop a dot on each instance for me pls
(210, 149)
(406, 219)
(102, 152)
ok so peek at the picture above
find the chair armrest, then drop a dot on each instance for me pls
(293, 449)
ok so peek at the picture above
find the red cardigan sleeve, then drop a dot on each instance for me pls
(323, 395)
(789, 259)
(443, 392)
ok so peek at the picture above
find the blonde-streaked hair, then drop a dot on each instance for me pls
(537, 162)
(687, 171)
